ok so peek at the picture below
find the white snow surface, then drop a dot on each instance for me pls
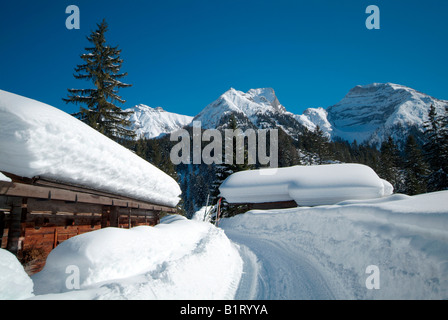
(299, 253)
(14, 282)
(177, 259)
(306, 185)
(155, 122)
(39, 140)
(324, 252)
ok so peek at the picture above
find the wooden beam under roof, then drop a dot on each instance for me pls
(50, 190)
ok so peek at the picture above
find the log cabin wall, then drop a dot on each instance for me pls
(40, 232)
(35, 219)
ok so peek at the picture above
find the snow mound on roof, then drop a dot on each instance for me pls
(306, 185)
(14, 282)
(39, 140)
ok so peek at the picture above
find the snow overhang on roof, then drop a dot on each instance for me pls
(306, 185)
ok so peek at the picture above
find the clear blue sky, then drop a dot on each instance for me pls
(182, 55)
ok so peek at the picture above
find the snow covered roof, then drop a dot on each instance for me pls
(39, 140)
(306, 185)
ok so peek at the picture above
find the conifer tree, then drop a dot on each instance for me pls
(444, 139)
(141, 147)
(287, 154)
(416, 169)
(224, 170)
(102, 64)
(320, 145)
(390, 163)
(436, 149)
(433, 133)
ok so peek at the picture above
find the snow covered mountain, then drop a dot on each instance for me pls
(373, 112)
(368, 113)
(313, 117)
(154, 122)
(257, 108)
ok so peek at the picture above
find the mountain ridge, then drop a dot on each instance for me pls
(152, 123)
(373, 112)
(368, 114)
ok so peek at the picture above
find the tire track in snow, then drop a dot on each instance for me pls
(274, 272)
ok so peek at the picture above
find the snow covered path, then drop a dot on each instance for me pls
(277, 271)
(326, 252)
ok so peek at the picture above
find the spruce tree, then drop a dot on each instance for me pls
(320, 145)
(416, 169)
(287, 154)
(433, 130)
(390, 163)
(141, 147)
(315, 147)
(102, 64)
(444, 139)
(436, 149)
(224, 170)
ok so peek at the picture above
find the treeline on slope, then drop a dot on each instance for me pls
(412, 169)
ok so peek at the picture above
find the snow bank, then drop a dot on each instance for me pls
(177, 259)
(203, 214)
(39, 140)
(405, 237)
(307, 185)
(14, 282)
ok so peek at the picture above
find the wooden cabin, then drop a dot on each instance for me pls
(38, 214)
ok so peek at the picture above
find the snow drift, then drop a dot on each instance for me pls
(39, 140)
(323, 252)
(177, 259)
(14, 282)
(306, 185)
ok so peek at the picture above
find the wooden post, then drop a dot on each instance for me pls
(113, 217)
(2, 226)
(15, 226)
(105, 217)
(55, 240)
